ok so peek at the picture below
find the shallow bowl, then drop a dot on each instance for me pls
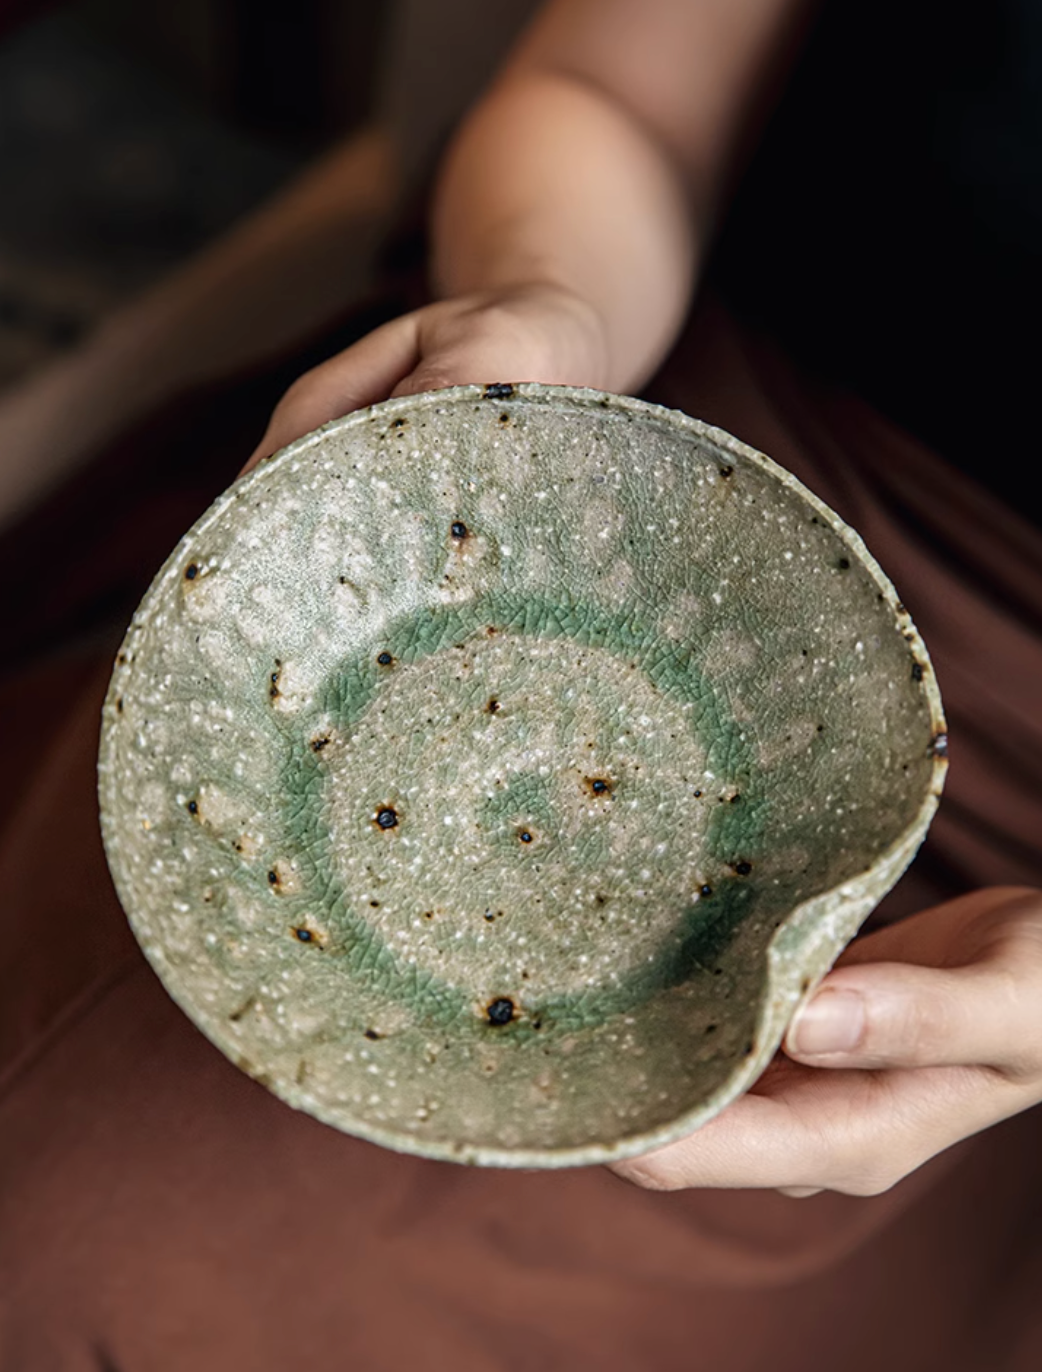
(491, 772)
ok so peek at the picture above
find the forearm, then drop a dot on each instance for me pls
(552, 184)
(599, 160)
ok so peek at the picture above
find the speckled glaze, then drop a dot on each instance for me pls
(491, 772)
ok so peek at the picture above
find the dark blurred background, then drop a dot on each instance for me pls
(196, 202)
(131, 134)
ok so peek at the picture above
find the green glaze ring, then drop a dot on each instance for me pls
(492, 772)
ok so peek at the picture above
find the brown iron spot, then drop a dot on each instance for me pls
(500, 1011)
(493, 705)
(385, 659)
(373, 1035)
(939, 745)
(386, 817)
(459, 530)
(499, 390)
(119, 705)
(601, 787)
(191, 571)
(303, 934)
(705, 891)
(917, 671)
(843, 564)
(725, 472)
(193, 807)
(504, 418)
(317, 744)
(742, 867)
(525, 835)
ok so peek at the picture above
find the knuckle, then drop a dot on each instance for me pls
(927, 1026)
(911, 1026)
(874, 1181)
(867, 1162)
(870, 1177)
(877, 1164)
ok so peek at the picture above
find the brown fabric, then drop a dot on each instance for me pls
(160, 1212)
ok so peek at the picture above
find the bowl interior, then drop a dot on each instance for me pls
(464, 763)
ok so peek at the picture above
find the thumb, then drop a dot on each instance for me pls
(891, 1014)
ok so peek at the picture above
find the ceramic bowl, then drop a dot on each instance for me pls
(492, 771)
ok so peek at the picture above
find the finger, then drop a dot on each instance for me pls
(880, 1015)
(956, 933)
(797, 1131)
(859, 1132)
(756, 1143)
(496, 360)
(542, 337)
(366, 372)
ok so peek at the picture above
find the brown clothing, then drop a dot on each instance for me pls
(160, 1212)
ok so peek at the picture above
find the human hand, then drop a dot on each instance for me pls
(925, 1033)
(531, 333)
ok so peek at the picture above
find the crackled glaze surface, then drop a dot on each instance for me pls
(491, 772)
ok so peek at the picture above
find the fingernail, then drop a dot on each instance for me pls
(833, 1022)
